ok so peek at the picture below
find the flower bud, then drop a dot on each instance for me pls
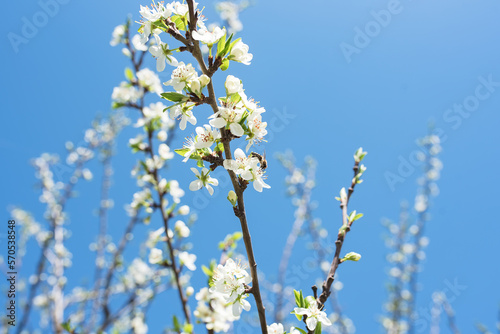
(351, 256)
(232, 197)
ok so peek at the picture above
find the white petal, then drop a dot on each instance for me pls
(311, 323)
(236, 129)
(218, 122)
(195, 185)
(239, 154)
(210, 189)
(195, 171)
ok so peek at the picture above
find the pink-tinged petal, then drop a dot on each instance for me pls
(236, 129)
(195, 185)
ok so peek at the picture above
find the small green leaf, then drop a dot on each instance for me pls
(174, 97)
(207, 271)
(297, 298)
(200, 163)
(219, 147)
(177, 325)
(359, 215)
(116, 105)
(317, 330)
(301, 330)
(221, 45)
(129, 74)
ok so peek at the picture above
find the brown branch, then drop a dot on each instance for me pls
(196, 52)
(326, 287)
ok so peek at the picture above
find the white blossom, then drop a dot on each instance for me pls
(240, 53)
(313, 316)
(188, 260)
(209, 37)
(203, 180)
(155, 255)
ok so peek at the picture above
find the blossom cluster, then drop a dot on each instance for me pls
(231, 281)
(235, 115)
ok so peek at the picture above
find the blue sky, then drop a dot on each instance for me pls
(415, 67)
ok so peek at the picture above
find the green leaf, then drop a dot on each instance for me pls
(317, 330)
(173, 105)
(116, 105)
(298, 316)
(129, 74)
(225, 64)
(67, 326)
(301, 330)
(359, 215)
(200, 163)
(181, 151)
(297, 298)
(179, 22)
(228, 46)
(207, 271)
(177, 325)
(174, 97)
(219, 147)
(221, 45)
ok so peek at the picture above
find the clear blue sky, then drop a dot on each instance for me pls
(422, 61)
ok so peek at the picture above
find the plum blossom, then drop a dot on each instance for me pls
(248, 168)
(118, 34)
(233, 85)
(231, 280)
(185, 113)
(126, 93)
(313, 316)
(256, 128)
(207, 37)
(188, 260)
(206, 136)
(275, 328)
(181, 76)
(182, 229)
(149, 80)
(229, 116)
(203, 180)
(155, 255)
(162, 54)
(240, 53)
